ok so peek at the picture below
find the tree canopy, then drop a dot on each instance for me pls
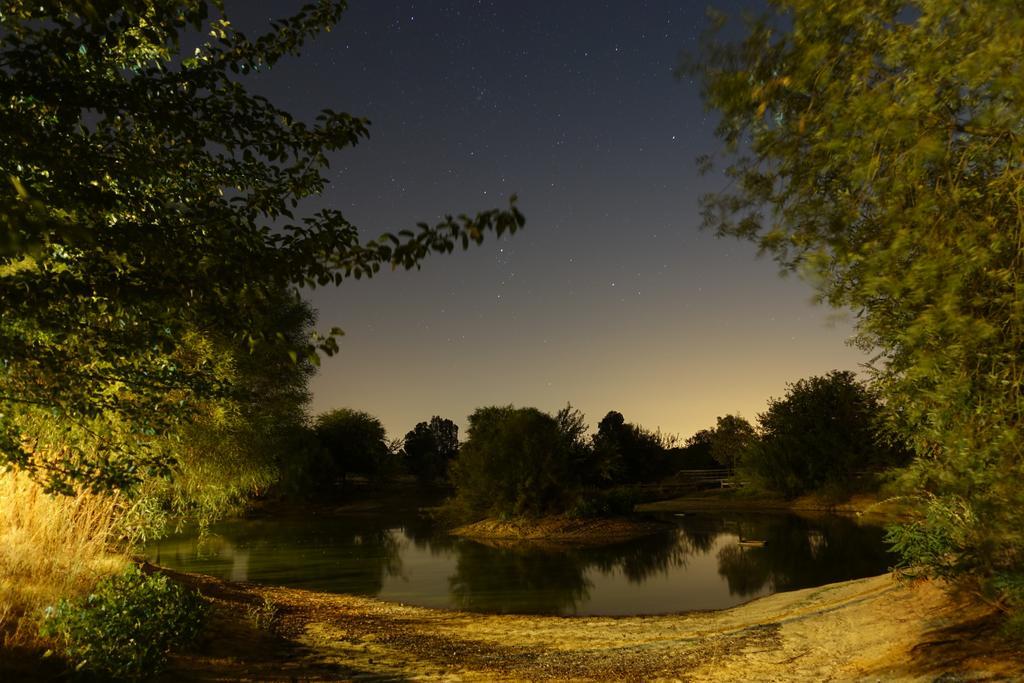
(518, 461)
(632, 453)
(823, 433)
(355, 442)
(877, 148)
(430, 447)
(731, 438)
(149, 199)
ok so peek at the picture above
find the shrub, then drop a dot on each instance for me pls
(126, 626)
(946, 543)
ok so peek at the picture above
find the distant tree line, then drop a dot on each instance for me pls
(823, 436)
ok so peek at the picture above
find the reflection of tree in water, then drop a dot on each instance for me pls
(701, 531)
(357, 553)
(427, 534)
(744, 569)
(801, 553)
(523, 580)
(532, 580)
(640, 559)
(347, 556)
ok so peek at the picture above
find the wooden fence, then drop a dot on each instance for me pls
(688, 481)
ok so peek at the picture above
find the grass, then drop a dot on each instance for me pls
(51, 547)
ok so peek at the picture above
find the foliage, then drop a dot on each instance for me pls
(127, 626)
(589, 467)
(731, 438)
(264, 614)
(50, 547)
(150, 198)
(926, 542)
(430, 447)
(354, 442)
(695, 454)
(877, 149)
(822, 434)
(517, 461)
(234, 447)
(636, 455)
(604, 503)
(303, 466)
(523, 462)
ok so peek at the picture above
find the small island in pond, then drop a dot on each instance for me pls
(561, 530)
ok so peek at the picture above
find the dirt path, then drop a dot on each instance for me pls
(869, 629)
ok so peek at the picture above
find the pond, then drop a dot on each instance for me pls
(399, 556)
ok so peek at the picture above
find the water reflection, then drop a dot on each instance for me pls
(698, 564)
(517, 580)
(802, 553)
(343, 557)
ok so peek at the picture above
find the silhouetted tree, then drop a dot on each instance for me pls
(429, 449)
(695, 454)
(517, 461)
(822, 433)
(636, 455)
(730, 439)
(355, 442)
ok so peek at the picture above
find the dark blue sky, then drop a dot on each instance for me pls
(611, 298)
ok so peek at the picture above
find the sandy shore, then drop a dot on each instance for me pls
(868, 629)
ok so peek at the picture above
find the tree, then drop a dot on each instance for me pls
(237, 447)
(150, 198)
(635, 454)
(430, 447)
(695, 453)
(355, 442)
(877, 149)
(516, 461)
(823, 433)
(731, 438)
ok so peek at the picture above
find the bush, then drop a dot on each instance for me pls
(949, 543)
(127, 626)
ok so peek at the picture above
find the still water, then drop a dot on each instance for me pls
(400, 556)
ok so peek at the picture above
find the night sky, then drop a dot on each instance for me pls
(611, 298)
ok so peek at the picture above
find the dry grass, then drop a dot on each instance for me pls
(50, 547)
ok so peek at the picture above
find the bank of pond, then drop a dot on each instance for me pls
(697, 561)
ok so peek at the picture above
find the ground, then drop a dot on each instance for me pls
(868, 629)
